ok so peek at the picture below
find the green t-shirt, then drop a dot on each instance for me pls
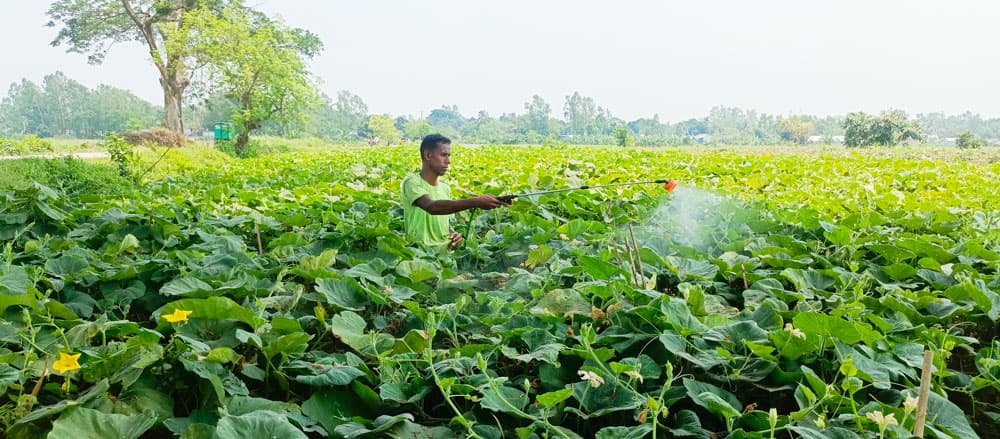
(421, 226)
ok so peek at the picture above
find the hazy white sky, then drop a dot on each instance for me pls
(636, 58)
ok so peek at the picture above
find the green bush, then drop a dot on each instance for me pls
(254, 148)
(28, 145)
(71, 176)
(623, 136)
(124, 156)
(969, 140)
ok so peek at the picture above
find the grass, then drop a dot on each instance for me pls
(70, 175)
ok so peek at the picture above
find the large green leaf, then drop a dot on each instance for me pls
(892, 253)
(691, 269)
(899, 271)
(28, 300)
(817, 324)
(597, 268)
(84, 423)
(417, 270)
(976, 291)
(737, 334)
(66, 265)
(946, 417)
(332, 408)
(8, 377)
(688, 425)
(350, 328)
(143, 399)
(807, 279)
(241, 405)
(261, 424)
(504, 399)
(13, 280)
(342, 293)
(380, 428)
(607, 398)
(187, 286)
(562, 303)
(212, 308)
(713, 398)
(23, 426)
(828, 433)
(550, 399)
(680, 317)
(637, 432)
(331, 376)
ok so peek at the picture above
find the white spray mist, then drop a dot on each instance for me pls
(688, 217)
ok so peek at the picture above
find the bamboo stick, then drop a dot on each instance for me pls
(618, 255)
(631, 263)
(925, 389)
(743, 269)
(260, 245)
(638, 259)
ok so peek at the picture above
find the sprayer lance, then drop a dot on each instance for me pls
(668, 185)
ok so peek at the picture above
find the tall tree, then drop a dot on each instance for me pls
(23, 110)
(349, 115)
(66, 102)
(887, 129)
(65, 107)
(384, 127)
(538, 112)
(259, 63)
(447, 116)
(92, 27)
(795, 129)
(416, 129)
(581, 114)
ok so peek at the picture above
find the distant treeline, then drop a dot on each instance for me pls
(62, 107)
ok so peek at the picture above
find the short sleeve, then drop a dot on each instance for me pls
(447, 191)
(412, 190)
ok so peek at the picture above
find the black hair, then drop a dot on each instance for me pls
(431, 142)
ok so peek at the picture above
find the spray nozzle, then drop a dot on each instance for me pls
(670, 185)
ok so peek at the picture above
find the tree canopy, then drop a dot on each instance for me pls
(258, 64)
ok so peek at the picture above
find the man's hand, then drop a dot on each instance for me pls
(456, 240)
(488, 202)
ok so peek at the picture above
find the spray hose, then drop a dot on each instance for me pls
(668, 185)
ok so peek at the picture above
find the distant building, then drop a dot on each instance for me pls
(826, 139)
(699, 138)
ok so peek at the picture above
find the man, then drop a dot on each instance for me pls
(427, 203)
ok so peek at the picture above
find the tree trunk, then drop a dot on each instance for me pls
(241, 142)
(172, 92)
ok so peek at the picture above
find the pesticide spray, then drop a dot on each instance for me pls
(689, 217)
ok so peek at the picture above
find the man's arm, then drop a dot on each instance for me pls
(447, 207)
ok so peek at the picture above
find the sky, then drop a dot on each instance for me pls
(636, 58)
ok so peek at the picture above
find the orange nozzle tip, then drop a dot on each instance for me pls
(670, 186)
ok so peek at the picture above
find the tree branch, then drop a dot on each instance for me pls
(147, 32)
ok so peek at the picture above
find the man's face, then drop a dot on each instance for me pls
(439, 159)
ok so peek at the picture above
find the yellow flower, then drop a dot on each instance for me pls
(66, 363)
(178, 316)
